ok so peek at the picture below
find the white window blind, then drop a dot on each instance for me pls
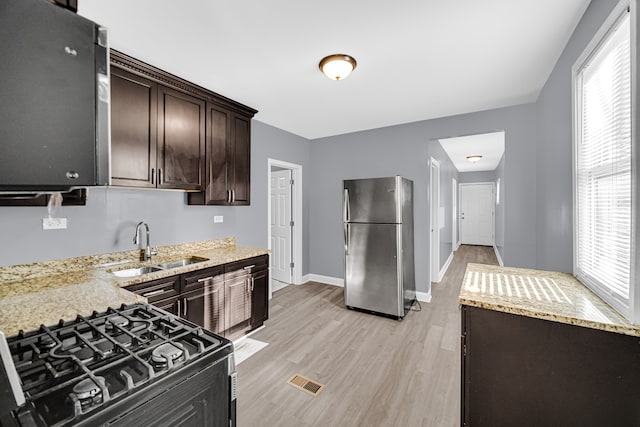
(603, 168)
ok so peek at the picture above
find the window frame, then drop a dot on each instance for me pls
(631, 310)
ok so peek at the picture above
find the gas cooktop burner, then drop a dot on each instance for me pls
(168, 354)
(47, 342)
(114, 321)
(89, 393)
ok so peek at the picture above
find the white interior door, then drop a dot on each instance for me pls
(476, 214)
(281, 218)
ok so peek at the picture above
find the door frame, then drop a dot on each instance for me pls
(434, 223)
(493, 206)
(296, 205)
(455, 243)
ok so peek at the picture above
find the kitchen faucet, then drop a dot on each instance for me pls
(147, 251)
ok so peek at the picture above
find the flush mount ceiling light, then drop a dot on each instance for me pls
(474, 158)
(337, 67)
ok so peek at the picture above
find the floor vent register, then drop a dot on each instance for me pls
(305, 384)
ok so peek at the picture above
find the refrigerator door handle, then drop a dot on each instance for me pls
(346, 238)
(345, 212)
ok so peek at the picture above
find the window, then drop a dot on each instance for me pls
(603, 165)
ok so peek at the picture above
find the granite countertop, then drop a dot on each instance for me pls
(43, 293)
(548, 295)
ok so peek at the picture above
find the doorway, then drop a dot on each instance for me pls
(477, 214)
(284, 213)
(434, 176)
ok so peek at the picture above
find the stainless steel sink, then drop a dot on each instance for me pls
(181, 262)
(132, 272)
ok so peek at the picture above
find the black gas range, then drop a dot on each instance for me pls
(131, 366)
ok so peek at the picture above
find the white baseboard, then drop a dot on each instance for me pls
(444, 268)
(335, 281)
(495, 249)
(423, 296)
(456, 247)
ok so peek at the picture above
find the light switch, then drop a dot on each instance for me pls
(218, 218)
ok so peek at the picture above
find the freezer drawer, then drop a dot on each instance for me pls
(373, 279)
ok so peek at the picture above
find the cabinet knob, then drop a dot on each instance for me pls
(72, 175)
(70, 51)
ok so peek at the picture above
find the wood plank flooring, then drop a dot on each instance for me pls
(376, 371)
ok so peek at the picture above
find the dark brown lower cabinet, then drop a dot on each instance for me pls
(521, 371)
(229, 299)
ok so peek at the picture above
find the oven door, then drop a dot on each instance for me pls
(200, 400)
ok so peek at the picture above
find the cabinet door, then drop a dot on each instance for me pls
(238, 300)
(239, 156)
(217, 184)
(259, 298)
(133, 129)
(205, 306)
(181, 133)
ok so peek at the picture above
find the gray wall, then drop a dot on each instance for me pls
(554, 205)
(500, 211)
(484, 176)
(448, 172)
(403, 150)
(108, 221)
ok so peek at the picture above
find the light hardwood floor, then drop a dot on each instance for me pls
(376, 371)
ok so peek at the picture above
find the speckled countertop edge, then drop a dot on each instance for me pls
(547, 295)
(43, 293)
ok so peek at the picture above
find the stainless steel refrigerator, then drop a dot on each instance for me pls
(378, 235)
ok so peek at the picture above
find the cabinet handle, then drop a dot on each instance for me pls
(233, 196)
(249, 267)
(160, 176)
(178, 313)
(153, 175)
(154, 293)
(204, 279)
(253, 281)
(184, 303)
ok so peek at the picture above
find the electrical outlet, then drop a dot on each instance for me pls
(54, 223)
(218, 218)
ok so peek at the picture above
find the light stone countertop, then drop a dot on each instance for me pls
(548, 295)
(43, 293)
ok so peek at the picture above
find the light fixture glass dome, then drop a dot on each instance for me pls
(337, 67)
(474, 158)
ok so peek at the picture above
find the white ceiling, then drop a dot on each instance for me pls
(417, 59)
(489, 145)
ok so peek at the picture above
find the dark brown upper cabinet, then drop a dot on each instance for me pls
(133, 129)
(158, 127)
(228, 148)
(181, 135)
